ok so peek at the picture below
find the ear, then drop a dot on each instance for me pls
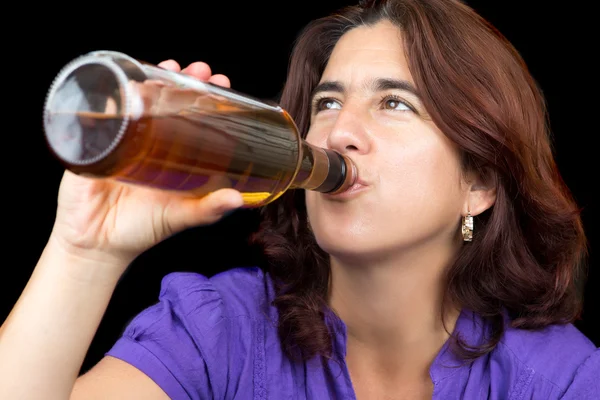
(481, 194)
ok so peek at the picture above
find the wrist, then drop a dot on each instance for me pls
(86, 265)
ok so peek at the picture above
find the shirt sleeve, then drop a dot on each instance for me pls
(168, 341)
(586, 383)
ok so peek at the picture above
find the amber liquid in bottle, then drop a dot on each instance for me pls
(196, 154)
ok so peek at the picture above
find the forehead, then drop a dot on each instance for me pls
(367, 52)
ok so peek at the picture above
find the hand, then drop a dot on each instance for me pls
(105, 220)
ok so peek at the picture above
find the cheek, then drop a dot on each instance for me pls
(423, 174)
(319, 130)
(310, 199)
(315, 139)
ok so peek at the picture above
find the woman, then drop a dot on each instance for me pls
(448, 272)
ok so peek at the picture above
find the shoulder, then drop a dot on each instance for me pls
(238, 292)
(203, 334)
(558, 357)
(207, 305)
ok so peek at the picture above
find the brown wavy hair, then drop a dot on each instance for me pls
(527, 254)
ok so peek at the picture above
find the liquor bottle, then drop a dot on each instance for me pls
(109, 115)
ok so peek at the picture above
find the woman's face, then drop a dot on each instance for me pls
(411, 192)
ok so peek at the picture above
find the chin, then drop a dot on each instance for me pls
(343, 243)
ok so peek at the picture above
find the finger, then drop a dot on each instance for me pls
(170, 65)
(205, 211)
(220, 80)
(199, 70)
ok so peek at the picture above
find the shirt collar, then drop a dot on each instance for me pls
(471, 329)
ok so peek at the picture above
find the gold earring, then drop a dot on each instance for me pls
(467, 227)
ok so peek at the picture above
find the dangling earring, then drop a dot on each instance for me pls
(467, 227)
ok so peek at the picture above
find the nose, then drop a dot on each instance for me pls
(349, 134)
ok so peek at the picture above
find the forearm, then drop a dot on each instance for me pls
(44, 340)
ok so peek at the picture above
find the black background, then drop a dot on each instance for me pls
(250, 42)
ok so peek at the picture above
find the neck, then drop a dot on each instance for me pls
(392, 308)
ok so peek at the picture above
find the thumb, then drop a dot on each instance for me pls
(204, 211)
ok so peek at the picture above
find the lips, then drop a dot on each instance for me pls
(353, 191)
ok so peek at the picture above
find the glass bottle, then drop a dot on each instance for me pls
(108, 115)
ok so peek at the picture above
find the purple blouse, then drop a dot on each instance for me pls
(216, 338)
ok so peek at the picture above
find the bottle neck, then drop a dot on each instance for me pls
(323, 170)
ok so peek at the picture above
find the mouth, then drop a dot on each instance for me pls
(352, 192)
(353, 183)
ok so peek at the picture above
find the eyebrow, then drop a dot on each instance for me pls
(377, 85)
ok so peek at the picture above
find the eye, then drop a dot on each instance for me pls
(395, 103)
(326, 104)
